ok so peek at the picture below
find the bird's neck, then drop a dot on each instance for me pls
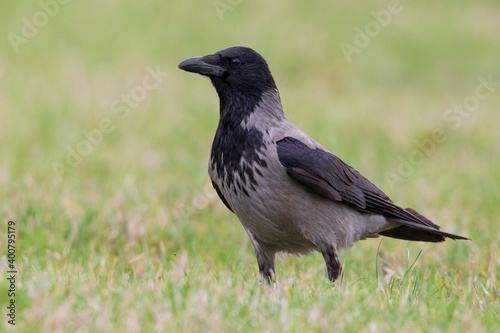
(243, 132)
(246, 110)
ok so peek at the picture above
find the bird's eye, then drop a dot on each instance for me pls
(235, 62)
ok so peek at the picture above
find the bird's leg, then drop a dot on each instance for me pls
(265, 259)
(266, 266)
(333, 265)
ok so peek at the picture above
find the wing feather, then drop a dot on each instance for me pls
(328, 176)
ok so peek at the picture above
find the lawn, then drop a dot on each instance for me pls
(105, 145)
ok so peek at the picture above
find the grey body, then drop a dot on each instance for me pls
(290, 194)
(282, 215)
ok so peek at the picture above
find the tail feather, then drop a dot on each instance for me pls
(411, 234)
(413, 231)
(421, 217)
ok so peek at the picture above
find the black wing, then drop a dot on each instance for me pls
(329, 176)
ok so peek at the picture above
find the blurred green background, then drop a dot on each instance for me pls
(117, 226)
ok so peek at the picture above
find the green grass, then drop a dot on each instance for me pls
(134, 239)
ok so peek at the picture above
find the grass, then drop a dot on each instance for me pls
(132, 237)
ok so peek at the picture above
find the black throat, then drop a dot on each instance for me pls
(236, 148)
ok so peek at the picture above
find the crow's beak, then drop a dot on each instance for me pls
(202, 65)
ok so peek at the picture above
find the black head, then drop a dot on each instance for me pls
(233, 70)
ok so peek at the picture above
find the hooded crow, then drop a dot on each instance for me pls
(290, 194)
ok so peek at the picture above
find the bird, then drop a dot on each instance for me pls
(291, 194)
